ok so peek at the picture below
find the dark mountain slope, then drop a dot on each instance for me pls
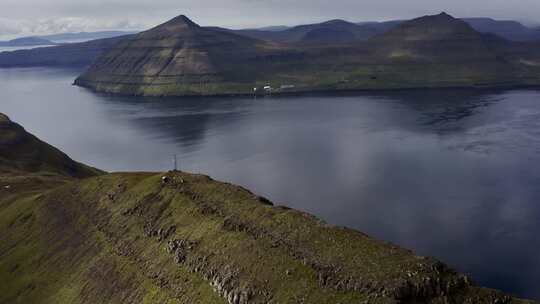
(510, 30)
(429, 28)
(328, 35)
(441, 50)
(362, 31)
(180, 57)
(438, 39)
(427, 52)
(322, 33)
(20, 151)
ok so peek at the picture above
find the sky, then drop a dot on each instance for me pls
(36, 17)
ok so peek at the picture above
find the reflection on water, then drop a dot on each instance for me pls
(450, 173)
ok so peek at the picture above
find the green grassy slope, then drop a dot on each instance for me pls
(143, 238)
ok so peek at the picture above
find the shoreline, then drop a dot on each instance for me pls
(322, 92)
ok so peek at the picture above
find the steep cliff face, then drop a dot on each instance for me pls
(183, 238)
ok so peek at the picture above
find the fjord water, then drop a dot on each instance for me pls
(453, 174)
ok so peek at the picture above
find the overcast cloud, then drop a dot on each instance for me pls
(32, 17)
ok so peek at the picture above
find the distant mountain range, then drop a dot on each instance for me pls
(326, 32)
(84, 36)
(510, 30)
(333, 31)
(272, 28)
(56, 39)
(343, 31)
(65, 55)
(29, 41)
(180, 57)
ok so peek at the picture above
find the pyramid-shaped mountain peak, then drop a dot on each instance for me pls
(179, 24)
(442, 18)
(446, 15)
(182, 20)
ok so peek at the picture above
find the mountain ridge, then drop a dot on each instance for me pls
(435, 27)
(180, 58)
(318, 34)
(511, 30)
(27, 41)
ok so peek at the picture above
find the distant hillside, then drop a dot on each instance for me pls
(85, 36)
(70, 55)
(510, 30)
(441, 50)
(330, 33)
(441, 28)
(350, 32)
(382, 26)
(327, 32)
(182, 58)
(180, 238)
(274, 28)
(30, 41)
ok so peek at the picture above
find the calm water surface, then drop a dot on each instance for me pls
(453, 174)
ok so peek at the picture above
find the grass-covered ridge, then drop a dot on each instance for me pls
(182, 238)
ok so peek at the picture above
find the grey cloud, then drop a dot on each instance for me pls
(120, 14)
(10, 28)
